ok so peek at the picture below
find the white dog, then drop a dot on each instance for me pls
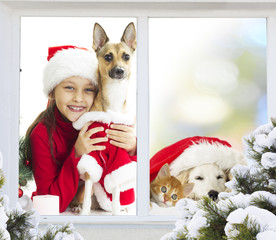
(207, 166)
(209, 180)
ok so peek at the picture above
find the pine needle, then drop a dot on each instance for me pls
(18, 224)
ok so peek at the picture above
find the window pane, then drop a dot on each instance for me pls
(39, 33)
(207, 78)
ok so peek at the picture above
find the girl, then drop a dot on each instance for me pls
(55, 147)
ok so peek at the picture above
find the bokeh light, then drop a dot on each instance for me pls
(207, 78)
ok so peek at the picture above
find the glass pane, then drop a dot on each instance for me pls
(37, 35)
(207, 78)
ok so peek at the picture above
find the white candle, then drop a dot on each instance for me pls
(46, 204)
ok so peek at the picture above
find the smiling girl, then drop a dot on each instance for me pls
(55, 147)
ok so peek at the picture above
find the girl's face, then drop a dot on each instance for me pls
(74, 96)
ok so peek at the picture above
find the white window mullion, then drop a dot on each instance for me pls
(271, 69)
(9, 102)
(142, 117)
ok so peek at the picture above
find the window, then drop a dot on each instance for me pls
(60, 31)
(10, 21)
(201, 73)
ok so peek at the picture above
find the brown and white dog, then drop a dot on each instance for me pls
(114, 69)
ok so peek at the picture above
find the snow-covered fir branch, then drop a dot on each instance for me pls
(19, 224)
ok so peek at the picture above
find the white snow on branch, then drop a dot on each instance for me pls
(271, 198)
(266, 235)
(272, 137)
(262, 141)
(187, 208)
(266, 128)
(264, 218)
(268, 160)
(198, 221)
(240, 200)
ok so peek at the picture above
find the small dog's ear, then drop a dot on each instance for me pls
(99, 37)
(129, 36)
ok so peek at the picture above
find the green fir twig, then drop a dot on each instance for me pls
(52, 231)
(2, 179)
(263, 203)
(249, 183)
(25, 172)
(18, 225)
(216, 220)
(244, 231)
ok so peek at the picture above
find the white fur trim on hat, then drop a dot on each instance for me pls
(90, 165)
(207, 153)
(68, 63)
(123, 176)
(104, 117)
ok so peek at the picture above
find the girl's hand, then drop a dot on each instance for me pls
(123, 136)
(85, 144)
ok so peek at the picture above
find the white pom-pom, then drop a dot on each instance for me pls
(25, 202)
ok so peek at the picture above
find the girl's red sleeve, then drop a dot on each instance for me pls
(50, 178)
(133, 158)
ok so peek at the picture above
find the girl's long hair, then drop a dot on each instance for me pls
(47, 117)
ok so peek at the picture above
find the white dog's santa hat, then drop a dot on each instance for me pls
(68, 61)
(195, 151)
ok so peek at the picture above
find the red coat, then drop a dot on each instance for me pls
(111, 167)
(51, 178)
(112, 160)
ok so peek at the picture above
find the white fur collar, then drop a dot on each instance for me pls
(104, 117)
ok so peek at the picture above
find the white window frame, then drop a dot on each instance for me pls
(10, 15)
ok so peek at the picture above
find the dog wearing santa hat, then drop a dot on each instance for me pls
(204, 161)
(111, 172)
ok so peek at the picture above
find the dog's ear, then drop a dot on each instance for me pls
(99, 37)
(229, 176)
(129, 36)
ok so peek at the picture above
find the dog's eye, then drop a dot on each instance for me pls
(199, 178)
(219, 176)
(126, 57)
(163, 189)
(174, 197)
(108, 57)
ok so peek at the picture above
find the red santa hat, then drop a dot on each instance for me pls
(68, 61)
(194, 151)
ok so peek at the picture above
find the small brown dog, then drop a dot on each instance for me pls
(114, 69)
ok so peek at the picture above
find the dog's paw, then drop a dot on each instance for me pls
(76, 209)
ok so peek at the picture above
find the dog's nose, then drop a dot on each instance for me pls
(117, 73)
(213, 195)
